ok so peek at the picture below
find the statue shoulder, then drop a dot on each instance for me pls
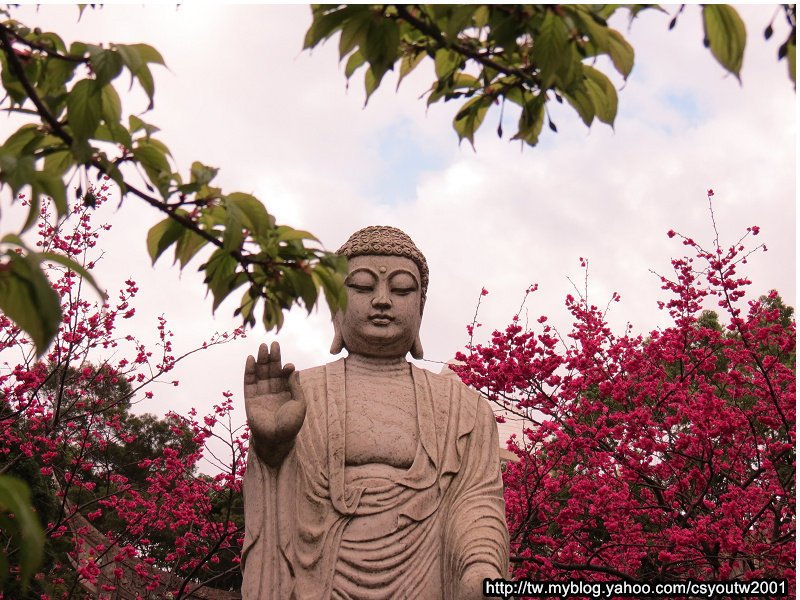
(316, 376)
(448, 382)
(448, 375)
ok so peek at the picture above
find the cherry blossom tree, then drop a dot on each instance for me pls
(119, 494)
(664, 456)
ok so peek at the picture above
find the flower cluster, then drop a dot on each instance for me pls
(661, 457)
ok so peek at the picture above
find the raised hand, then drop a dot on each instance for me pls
(274, 404)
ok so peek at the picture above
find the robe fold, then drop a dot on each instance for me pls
(315, 528)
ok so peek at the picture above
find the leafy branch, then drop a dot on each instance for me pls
(529, 55)
(81, 129)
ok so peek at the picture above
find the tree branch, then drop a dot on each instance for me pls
(58, 130)
(438, 37)
(574, 566)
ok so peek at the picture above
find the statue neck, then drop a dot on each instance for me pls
(358, 364)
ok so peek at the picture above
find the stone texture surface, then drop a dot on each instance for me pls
(369, 477)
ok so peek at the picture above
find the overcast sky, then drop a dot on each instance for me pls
(280, 122)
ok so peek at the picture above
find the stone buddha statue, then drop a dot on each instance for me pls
(369, 477)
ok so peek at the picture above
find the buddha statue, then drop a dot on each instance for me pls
(369, 477)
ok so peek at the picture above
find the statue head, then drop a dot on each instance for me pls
(386, 285)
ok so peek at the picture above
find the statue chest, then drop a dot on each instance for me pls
(381, 422)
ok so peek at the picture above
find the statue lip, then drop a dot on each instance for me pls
(380, 319)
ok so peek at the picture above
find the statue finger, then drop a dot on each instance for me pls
(297, 389)
(274, 360)
(250, 379)
(263, 362)
(279, 382)
(250, 370)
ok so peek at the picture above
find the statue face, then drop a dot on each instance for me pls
(383, 316)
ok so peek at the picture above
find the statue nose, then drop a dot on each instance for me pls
(381, 301)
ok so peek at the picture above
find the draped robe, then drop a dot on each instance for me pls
(315, 528)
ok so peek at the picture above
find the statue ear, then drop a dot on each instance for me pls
(338, 342)
(416, 348)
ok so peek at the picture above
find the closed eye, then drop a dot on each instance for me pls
(403, 291)
(362, 289)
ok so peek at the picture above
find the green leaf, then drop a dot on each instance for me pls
(82, 150)
(332, 282)
(602, 93)
(77, 49)
(57, 74)
(163, 234)
(158, 144)
(146, 81)
(131, 57)
(287, 234)
(582, 102)
(458, 18)
(591, 23)
(58, 163)
(370, 84)
(136, 57)
(27, 299)
(621, 53)
(602, 39)
(15, 170)
(13, 238)
(531, 120)
(84, 109)
(214, 215)
(324, 24)
(53, 186)
(148, 54)
(354, 32)
(15, 497)
(231, 285)
(19, 171)
(445, 62)
(114, 133)
(233, 235)
(470, 117)
(256, 219)
(303, 286)
(152, 157)
(247, 306)
(381, 48)
(106, 64)
(136, 124)
(52, 41)
(112, 106)
(221, 276)
(726, 36)
(408, 63)
(273, 314)
(11, 84)
(51, 142)
(481, 16)
(21, 138)
(189, 244)
(201, 174)
(356, 60)
(550, 48)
